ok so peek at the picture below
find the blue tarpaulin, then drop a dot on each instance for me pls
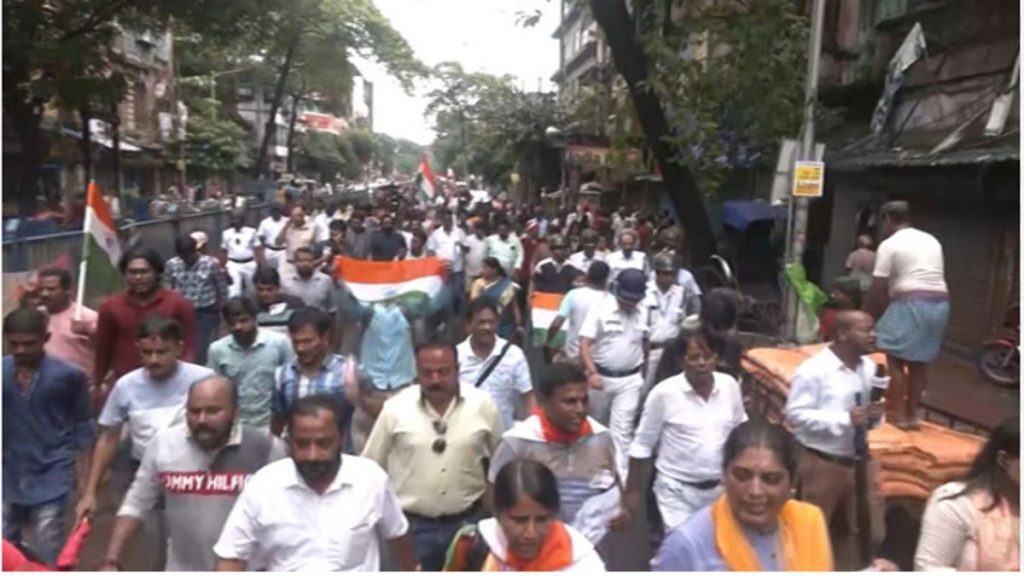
(742, 213)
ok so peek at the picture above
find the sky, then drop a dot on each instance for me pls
(482, 35)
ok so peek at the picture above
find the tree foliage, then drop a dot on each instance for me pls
(730, 78)
(214, 143)
(484, 124)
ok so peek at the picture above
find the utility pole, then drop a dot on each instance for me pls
(798, 207)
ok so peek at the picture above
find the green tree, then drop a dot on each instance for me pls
(214, 143)
(384, 150)
(61, 54)
(310, 48)
(321, 153)
(485, 125)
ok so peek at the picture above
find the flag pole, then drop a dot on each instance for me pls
(83, 266)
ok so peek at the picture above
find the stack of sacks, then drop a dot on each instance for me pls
(913, 463)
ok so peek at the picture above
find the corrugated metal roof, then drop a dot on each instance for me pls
(919, 158)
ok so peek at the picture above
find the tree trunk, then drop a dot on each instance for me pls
(631, 63)
(271, 127)
(86, 143)
(27, 124)
(291, 129)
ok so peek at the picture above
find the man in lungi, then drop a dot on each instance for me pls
(910, 299)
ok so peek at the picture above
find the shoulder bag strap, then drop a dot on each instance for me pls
(490, 368)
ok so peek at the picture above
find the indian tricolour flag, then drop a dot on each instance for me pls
(426, 178)
(101, 249)
(543, 310)
(413, 281)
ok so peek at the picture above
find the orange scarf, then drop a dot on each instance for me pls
(802, 532)
(556, 436)
(555, 554)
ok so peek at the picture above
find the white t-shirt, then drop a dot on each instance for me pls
(912, 260)
(239, 244)
(574, 308)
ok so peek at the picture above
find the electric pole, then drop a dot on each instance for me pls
(799, 206)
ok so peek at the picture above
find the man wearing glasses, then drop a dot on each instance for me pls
(435, 440)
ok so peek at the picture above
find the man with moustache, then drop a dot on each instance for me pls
(387, 245)
(250, 357)
(434, 440)
(199, 468)
(147, 400)
(317, 511)
(121, 315)
(72, 327)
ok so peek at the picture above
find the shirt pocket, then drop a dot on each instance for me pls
(351, 541)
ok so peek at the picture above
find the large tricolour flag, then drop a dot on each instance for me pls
(543, 310)
(413, 281)
(426, 178)
(101, 248)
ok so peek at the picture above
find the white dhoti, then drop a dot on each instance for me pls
(241, 274)
(616, 407)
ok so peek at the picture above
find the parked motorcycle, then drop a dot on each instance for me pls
(999, 360)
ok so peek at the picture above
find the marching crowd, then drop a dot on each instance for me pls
(275, 421)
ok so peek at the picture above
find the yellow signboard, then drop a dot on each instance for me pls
(808, 179)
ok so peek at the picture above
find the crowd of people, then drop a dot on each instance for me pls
(275, 421)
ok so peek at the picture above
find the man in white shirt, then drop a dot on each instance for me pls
(448, 243)
(506, 247)
(829, 397)
(240, 246)
(666, 304)
(910, 288)
(493, 364)
(575, 306)
(316, 511)
(477, 252)
(612, 347)
(588, 252)
(627, 258)
(688, 419)
(270, 228)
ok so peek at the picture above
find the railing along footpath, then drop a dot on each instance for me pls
(36, 252)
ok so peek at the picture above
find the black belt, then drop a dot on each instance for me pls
(273, 249)
(447, 518)
(241, 260)
(702, 485)
(658, 345)
(841, 460)
(618, 373)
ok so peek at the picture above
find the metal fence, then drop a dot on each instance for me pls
(35, 253)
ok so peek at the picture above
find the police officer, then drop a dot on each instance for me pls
(666, 304)
(613, 342)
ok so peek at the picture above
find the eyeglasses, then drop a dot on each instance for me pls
(440, 444)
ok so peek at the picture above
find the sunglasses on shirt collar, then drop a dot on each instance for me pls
(440, 444)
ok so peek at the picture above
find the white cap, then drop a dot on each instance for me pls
(201, 239)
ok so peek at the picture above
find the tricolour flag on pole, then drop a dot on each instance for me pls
(101, 249)
(412, 281)
(543, 310)
(426, 180)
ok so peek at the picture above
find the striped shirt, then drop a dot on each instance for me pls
(290, 385)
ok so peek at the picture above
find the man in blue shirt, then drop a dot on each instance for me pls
(47, 432)
(314, 370)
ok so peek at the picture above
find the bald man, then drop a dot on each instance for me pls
(198, 468)
(829, 397)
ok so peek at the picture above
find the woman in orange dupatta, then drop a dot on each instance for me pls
(525, 535)
(755, 525)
